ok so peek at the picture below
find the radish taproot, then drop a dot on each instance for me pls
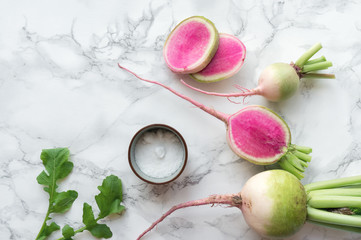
(227, 61)
(257, 134)
(275, 204)
(191, 45)
(279, 81)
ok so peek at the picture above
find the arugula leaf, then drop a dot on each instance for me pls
(88, 216)
(47, 230)
(108, 201)
(101, 231)
(63, 201)
(57, 166)
(68, 232)
(110, 196)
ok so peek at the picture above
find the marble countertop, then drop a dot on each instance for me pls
(60, 87)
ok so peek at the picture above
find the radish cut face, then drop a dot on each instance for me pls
(227, 61)
(258, 135)
(191, 45)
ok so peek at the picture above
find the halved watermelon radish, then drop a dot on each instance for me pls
(256, 134)
(191, 45)
(227, 61)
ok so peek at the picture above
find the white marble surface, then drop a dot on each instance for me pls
(60, 87)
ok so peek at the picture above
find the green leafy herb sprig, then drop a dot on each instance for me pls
(57, 167)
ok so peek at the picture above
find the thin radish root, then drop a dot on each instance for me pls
(245, 92)
(230, 200)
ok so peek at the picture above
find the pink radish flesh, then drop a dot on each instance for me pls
(227, 61)
(273, 203)
(280, 81)
(191, 45)
(256, 134)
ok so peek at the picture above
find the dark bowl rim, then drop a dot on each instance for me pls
(160, 126)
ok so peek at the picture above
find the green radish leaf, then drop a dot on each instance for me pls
(356, 211)
(110, 196)
(47, 230)
(57, 167)
(63, 201)
(101, 231)
(68, 232)
(88, 216)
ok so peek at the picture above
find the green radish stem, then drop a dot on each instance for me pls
(295, 160)
(334, 201)
(280, 81)
(323, 216)
(308, 54)
(318, 75)
(336, 192)
(303, 149)
(316, 66)
(316, 60)
(336, 183)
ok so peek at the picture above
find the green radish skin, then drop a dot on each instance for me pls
(191, 45)
(278, 82)
(273, 203)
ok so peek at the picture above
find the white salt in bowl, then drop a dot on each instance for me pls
(157, 166)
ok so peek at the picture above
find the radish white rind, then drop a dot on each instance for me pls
(191, 45)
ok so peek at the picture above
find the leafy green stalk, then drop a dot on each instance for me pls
(326, 201)
(341, 182)
(57, 167)
(108, 201)
(318, 75)
(323, 216)
(296, 160)
(305, 67)
(316, 60)
(308, 54)
(335, 203)
(336, 192)
(316, 66)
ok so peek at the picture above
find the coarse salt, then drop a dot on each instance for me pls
(159, 153)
